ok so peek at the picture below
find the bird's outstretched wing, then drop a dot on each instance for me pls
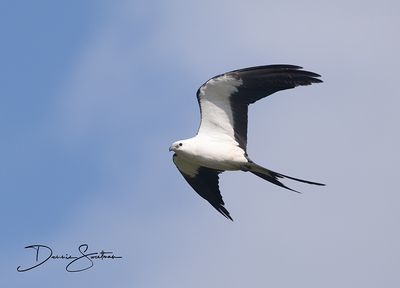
(204, 181)
(224, 99)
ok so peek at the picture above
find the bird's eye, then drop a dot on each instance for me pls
(180, 144)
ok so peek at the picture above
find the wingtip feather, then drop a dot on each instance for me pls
(224, 212)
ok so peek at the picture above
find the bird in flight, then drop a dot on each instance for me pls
(220, 143)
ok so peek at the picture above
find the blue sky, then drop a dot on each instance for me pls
(94, 92)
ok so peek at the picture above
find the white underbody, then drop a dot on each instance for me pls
(215, 144)
(213, 153)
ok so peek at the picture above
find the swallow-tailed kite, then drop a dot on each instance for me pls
(220, 143)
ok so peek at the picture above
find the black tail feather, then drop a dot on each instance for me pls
(274, 177)
(297, 179)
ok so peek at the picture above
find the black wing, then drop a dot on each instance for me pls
(204, 181)
(250, 85)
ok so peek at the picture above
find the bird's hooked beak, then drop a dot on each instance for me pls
(171, 148)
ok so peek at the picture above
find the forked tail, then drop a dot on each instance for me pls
(273, 177)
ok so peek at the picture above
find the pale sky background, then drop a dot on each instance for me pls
(94, 92)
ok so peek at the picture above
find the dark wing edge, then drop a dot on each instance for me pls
(262, 81)
(270, 69)
(259, 82)
(206, 184)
